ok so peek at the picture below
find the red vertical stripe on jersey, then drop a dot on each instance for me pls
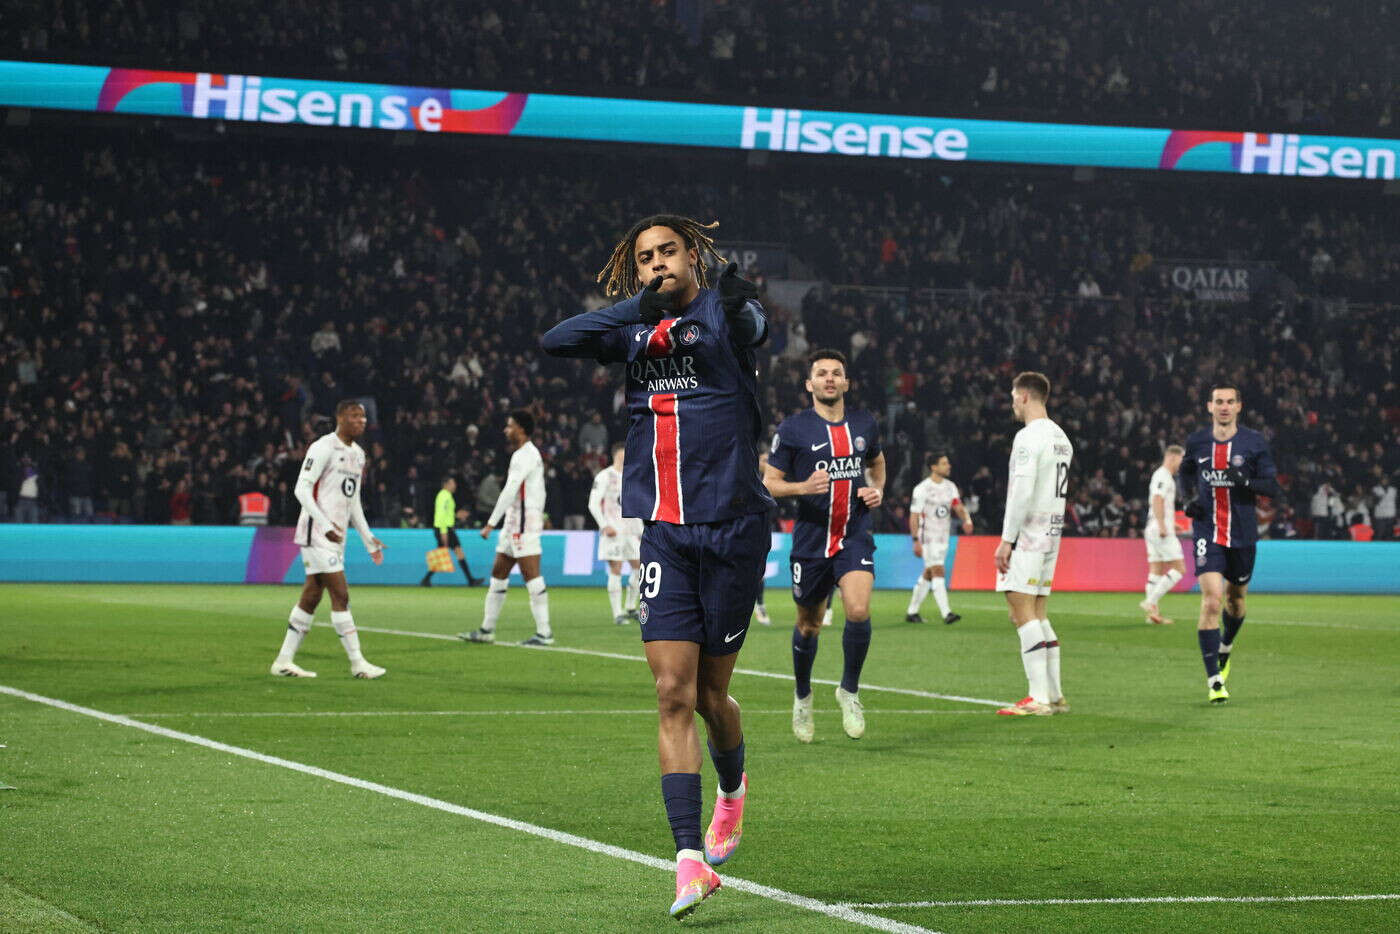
(839, 511)
(666, 459)
(660, 343)
(1220, 460)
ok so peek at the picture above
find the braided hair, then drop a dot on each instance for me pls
(621, 269)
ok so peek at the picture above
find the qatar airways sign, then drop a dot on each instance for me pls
(408, 108)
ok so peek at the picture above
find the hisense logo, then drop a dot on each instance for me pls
(786, 131)
(1281, 154)
(245, 98)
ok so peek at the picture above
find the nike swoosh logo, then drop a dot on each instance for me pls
(818, 447)
(734, 635)
(867, 561)
(1202, 460)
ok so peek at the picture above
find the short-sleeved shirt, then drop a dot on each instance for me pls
(444, 511)
(806, 442)
(1163, 484)
(933, 503)
(1230, 520)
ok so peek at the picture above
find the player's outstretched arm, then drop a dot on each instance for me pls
(748, 325)
(586, 335)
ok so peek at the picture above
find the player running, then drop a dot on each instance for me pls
(519, 513)
(619, 539)
(1164, 565)
(935, 499)
(837, 453)
(691, 473)
(1034, 521)
(328, 489)
(1226, 467)
(445, 516)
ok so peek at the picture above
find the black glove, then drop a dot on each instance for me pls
(655, 305)
(735, 292)
(1237, 478)
(1195, 509)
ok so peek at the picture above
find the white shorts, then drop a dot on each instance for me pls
(619, 547)
(323, 559)
(524, 545)
(1165, 550)
(1031, 572)
(935, 553)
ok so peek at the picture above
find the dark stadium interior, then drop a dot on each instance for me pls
(187, 307)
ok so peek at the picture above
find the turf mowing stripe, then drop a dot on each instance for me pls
(649, 711)
(596, 653)
(1156, 900)
(840, 912)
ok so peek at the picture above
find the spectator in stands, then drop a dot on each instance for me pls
(1383, 505)
(27, 504)
(80, 482)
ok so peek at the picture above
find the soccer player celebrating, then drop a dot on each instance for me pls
(519, 513)
(619, 539)
(691, 474)
(934, 500)
(837, 455)
(1226, 466)
(1164, 565)
(445, 516)
(1030, 542)
(328, 489)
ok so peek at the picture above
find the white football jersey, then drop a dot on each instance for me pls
(1037, 487)
(1164, 485)
(933, 503)
(521, 503)
(334, 471)
(605, 503)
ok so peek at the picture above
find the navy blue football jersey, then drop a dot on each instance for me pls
(806, 442)
(1232, 522)
(692, 398)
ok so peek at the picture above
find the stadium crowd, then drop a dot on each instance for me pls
(178, 321)
(1308, 67)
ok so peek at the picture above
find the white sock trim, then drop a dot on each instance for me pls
(689, 854)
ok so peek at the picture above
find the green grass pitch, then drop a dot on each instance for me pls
(1143, 791)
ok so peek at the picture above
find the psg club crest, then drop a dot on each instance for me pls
(1237, 460)
(690, 335)
(860, 443)
(642, 613)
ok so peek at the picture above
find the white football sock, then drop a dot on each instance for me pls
(940, 595)
(1033, 660)
(344, 625)
(615, 593)
(539, 605)
(1164, 584)
(1052, 660)
(634, 588)
(1152, 581)
(297, 626)
(495, 599)
(916, 599)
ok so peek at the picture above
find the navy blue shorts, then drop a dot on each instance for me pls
(700, 582)
(1236, 564)
(814, 578)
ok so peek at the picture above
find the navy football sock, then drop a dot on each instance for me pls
(1210, 650)
(730, 766)
(681, 792)
(1231, 625)
(804, 655)
(856, 642)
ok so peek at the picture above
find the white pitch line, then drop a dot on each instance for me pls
(1155, 900)
(752, 672)
(840, 912)
(649, 711)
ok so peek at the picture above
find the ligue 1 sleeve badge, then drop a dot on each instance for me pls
(860, 443)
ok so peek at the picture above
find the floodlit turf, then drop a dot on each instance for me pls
(1143, 791)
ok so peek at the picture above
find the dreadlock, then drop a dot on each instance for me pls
(621, 270)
